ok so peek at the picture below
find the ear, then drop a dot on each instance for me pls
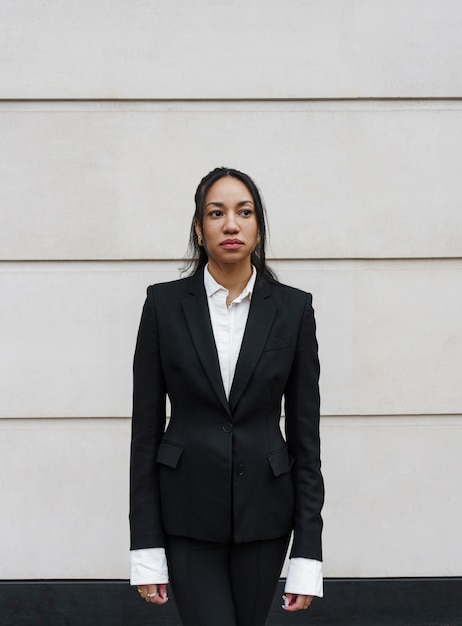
(197, 228)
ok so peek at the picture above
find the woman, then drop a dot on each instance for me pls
(215, 497)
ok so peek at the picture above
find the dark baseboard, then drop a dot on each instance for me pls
(346, 602)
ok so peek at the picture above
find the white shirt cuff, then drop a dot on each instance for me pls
(148, 566)
(304, 577)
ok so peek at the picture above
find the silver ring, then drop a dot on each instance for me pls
(152, 595)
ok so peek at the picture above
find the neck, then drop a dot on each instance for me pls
(231, 277)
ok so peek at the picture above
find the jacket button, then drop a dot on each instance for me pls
(228, 427)
(240, 470)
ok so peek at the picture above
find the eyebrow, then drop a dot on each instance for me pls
(222, 204)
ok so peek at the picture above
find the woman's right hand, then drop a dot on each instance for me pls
(157, 594)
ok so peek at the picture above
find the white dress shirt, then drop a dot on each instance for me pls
(149, 565)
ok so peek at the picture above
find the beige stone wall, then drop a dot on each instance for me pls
(348, 115)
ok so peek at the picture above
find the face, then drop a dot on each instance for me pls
(230, 227)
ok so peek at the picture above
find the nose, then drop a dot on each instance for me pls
(231, 225)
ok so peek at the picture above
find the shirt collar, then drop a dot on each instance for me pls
(211, 285)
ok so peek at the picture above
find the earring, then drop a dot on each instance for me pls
(199, 240)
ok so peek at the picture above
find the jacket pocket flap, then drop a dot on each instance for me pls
(277, 343)
(280, 461)
(169, 453)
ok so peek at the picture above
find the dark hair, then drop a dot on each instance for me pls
(197, 255)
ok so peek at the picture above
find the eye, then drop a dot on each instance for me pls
(246, 212)
(215, 213)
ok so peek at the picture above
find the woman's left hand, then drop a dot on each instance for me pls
(296, 601)
(157, 594)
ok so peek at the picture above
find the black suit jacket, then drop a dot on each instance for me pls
(222, 466)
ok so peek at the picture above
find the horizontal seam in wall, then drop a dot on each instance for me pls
(281, 99)
(234, 105)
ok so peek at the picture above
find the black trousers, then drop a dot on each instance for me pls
(224, 584)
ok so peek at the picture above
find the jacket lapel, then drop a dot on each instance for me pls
(198, 318)
(261, 316)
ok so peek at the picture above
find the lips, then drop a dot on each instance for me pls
(231, 244)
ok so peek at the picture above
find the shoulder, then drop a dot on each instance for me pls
(168, 293)
(288, 293)
(171, 287)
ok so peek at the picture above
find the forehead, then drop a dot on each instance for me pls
(230, 187)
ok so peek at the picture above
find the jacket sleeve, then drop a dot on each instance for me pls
(302, 407)
(148, 423)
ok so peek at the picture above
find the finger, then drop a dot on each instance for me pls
(142, 590)
(147, 592)
(289, 600)
(295, 602)
(162, 591)
(159, 595)
(151, 593)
